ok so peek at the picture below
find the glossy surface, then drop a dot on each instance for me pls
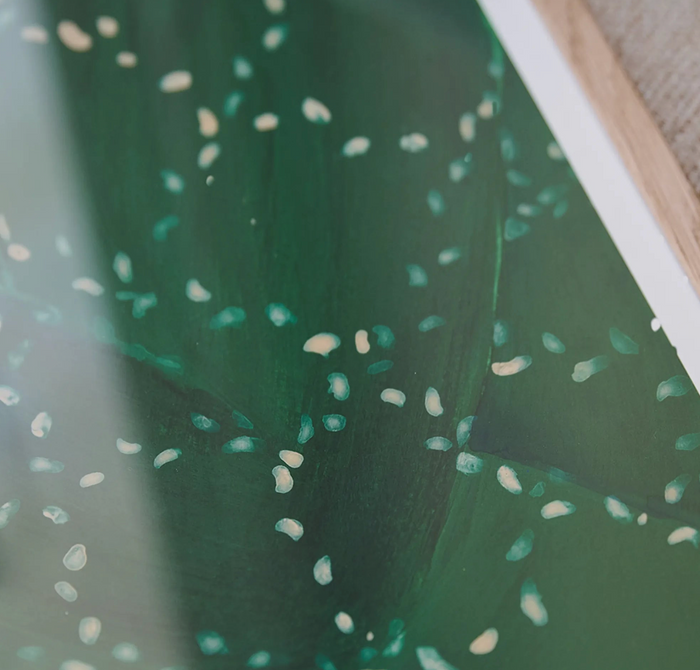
(315, 353)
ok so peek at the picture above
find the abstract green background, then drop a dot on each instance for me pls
(289, 219)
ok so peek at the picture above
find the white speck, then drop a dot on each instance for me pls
(127, 59)
(509, 149)
(554, 151)
(76, 665)
(385, 337)
(306, 432)
(211, 643)
(655, 324)
(557, 508)
(393, 397)
(107, 26)
(315, 111)
(128, 447)
(16, 356)
(531, 603)
(204, 423)
(430, 323)
(553, 343)
(617, 509)
(279, 314)
(89, 286)
(684, 534)
(508, 479)
(395, 647)
(436, 203)
(209, 180)
(41, 425)
(35, 34)
(467, 127)
(266, 122)
(432, 402)
(447, 256)
(75, 558)
(208, 154)
(674, 387)
(126, 652)
(464, 430)
(260, 659)
(290, 527)
(515, 229)
(357, 146)
(438, 444)
(4, 229)
(41, 464)
(518, 364)
(241, 445)
(18, 252)
(469, 464)
(485, 643)
(166, 456)
(122, 267)
(8, 396)
(275, 6)
(292, 458)
(174, 82)
(586, 369)
(413, 143)
(642, 519)
(73, 37)
(283, 479)
(361, 342)
(370, 636)
(459, 168)
(63, 246)
(232, 317)
(322, 571)
(66, 591)
(430, 659)
(525, 209)
(89, 630)
(486, 109)
(56, 514)
(33, 654)
(233, 102)
(521, 547)
(242, 68)
(196, 292)
(322, 344)
(674, 490)
(273, 38)
(417, 276)
(339, 385)
(92, 479)
(345, 623)
(208, 125)
(334, 422)
(8, 510)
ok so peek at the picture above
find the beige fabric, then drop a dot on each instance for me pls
(658, 44)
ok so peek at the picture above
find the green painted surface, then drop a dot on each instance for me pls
(292, 238)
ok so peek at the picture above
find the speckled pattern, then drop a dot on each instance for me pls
(315, 354)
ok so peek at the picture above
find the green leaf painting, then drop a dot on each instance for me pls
(314, 354)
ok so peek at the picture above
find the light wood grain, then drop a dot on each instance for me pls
(651, 163)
